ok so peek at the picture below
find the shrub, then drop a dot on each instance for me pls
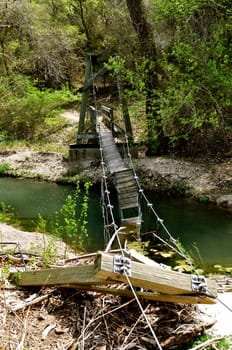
(26, 111)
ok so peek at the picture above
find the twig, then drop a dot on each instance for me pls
(25, 304)
(47, 330)
(21, 344)
(132, 329)
(106, 325)
(83, 331)
(97, 318)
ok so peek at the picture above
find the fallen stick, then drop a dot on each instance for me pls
(47, 330)
(25, 304)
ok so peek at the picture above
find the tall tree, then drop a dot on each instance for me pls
(152, 71)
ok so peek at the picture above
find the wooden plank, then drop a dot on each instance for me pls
(127, 180)
(49, 277)
(152, 278)
(94, 277)
(140, 257)
(126, 184)
(133, 195)
(128, 205)
(122, 178)
(87, 136)
(167, 298)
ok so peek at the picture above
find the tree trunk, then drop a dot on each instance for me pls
(144, 32)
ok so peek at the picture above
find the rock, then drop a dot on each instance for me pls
(225, 200)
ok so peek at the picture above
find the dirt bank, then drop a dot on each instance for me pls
(207, 181)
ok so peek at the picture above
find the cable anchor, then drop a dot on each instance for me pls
(122, 265)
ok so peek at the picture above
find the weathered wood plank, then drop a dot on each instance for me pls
(96, 276)
(128, 204)
(132, 200)
(128, 195)
(126, 187)
(151, 278)
(167, 298)
(122, 179)
(87, 136)
(48, 277)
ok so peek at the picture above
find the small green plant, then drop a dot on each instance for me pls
(7, 213)
(71, 220)
(41, 224)
(68, 223)
(17, 276)
(203, 199)
(221, 344)
(4, 273)
(4, 167)
(50, 250)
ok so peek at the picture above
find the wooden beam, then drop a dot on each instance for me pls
(162, 284)
(152, 278)
(81, 124)
(49, 277)
(87, 136)
(167, 298)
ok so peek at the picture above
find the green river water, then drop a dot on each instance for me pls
(209, 227)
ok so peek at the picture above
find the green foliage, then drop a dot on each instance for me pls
(7, 213)
(190, 103)
(222, 344)
(17, 276)
(28, 112)
(71, 220)
(222, 270)
(203, 199)
(49, 255)
(41, 224)
(195, 103)
(4, 167)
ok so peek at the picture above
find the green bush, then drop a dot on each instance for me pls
(27, 112)
(7, 213)
(4, 167)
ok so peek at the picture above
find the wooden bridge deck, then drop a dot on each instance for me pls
(111, 154)
(124, 182)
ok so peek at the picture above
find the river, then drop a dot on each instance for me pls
(206, 226)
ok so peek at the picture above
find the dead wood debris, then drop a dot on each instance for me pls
(70, 319)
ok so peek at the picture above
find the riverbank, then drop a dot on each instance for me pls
(206, 181)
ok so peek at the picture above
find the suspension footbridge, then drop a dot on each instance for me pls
(123, 266)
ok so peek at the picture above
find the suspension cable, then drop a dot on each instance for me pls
(116, 230)
(160, 221)
(116, 235)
